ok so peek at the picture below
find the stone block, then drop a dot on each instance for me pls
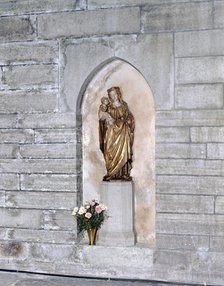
(190, 224)
(9, 182)
(189, 118)
(207, 134)
(53, 252)
(199, 70)
(28, 102)
(219, 205)
(2, 199)
(55, 136)
(196, 167)
(11, 53)
(87, 23)
(148, 53)
(16, 136)
(16, 29)
(19, 218)
(199, 96)
(216, 244)
(181, 150)
(218, 14)
(8, 121)
(182, 242)
(54, 151)
(21, 6)
(9, 151)
(185, 204)
(40, 200)
(199, 43)
(58, 220)
(27, 166)
(177, 17)
(49, 120)
(172, 134)
(215, 151)
(42, 236)
(172, 259)
(191, 185)
(35, 76)
(50, 182)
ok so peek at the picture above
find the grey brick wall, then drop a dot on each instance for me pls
(47, 50)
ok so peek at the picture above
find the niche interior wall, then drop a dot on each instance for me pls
(47, 49)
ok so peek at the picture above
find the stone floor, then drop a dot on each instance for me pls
(25, 279)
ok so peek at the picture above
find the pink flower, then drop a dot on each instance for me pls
(98, 209)
(92, 203)
(88, 215)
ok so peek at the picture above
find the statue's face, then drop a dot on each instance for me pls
(113, 95)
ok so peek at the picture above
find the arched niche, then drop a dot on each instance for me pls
(137, 93)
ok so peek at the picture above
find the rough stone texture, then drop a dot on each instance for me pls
(9, 182)
(215, 151)
(199, 43)
(207, 134)
(16, 29)
(9, 151)
(177, 17)
(16, 136)
(218, 12)
(199, 96)
(173, 134)
(89, 23)
(55, 136)
(219, 204)
(21, 6)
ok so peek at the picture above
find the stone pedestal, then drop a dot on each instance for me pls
(118, 229)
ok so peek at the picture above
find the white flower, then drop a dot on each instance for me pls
(103, 207)
(82, 210)
(75, 210)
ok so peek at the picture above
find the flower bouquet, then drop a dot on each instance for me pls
(90, 217)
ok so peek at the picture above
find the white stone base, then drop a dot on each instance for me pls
(118, 229)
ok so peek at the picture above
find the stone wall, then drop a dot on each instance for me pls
(47, 51)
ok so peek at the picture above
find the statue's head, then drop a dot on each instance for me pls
(114, 93)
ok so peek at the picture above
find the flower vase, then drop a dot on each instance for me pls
(92, 235)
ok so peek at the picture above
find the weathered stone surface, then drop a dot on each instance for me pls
(199, 96)
(16, 29)
(218, 14)
(55, 136)
(207, 134)
(199, 43)
(177, 17)
(2, 198)
(172, 259)
(190, 224)
(28, 52)
(58, 220)
(191, 185)
(42, 236)
(49, 120)
(27, 166)
(21, 6)
(62, 151)
(9, 182)
(92, 4)
(185, 204)
(215, 151)
(40, 200)
(31, 76)
(16, 136)
(18, 218)
(65, 183)
(181, 242)
(9, 151)
(216, 244)
(11, 102)
(219, 205)
(172, 134)
(195, 167)
(83, 23)
(188, 151)
(8, 121)
(199, 70)
(156, 65)
(190, 118)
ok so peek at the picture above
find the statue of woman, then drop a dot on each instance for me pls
(116, 134)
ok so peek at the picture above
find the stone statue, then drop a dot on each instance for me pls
(116, 135)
